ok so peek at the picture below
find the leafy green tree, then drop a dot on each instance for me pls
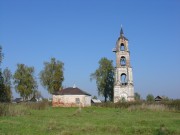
(52, 76)
(104, 77)
(150, 98)
(2, 89)
(94, 97)
(1, 78)
(1, 55)
(165, 98)
(7, 76)
(5, 85)
(137, 96)
(24, 81)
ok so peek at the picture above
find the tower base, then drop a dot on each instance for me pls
(123, 93)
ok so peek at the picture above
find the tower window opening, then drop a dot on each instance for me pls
(123, 61)
(123, 79)
(122, 47)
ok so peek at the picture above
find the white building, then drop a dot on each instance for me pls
(123, 86)
(71, 97)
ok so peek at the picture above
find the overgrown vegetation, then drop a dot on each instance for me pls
(172, 105)
(8, 109)
(89, 121)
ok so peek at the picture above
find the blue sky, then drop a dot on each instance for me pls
(79, 33)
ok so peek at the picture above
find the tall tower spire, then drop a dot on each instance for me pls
(121, 32)
(123, 86)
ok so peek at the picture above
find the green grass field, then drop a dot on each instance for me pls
(91, 121)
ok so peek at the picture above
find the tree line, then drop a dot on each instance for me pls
(25, 82)
(51, 78)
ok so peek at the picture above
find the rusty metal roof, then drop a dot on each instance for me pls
(71, 91)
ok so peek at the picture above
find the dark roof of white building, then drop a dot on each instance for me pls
(71, 91)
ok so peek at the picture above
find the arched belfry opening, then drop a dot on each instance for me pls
(122, 47)
(123, 61)
(123, 79)
(123, 86)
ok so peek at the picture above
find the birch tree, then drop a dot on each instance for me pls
(52, 75)
(24, 81)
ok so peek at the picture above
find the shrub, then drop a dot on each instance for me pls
(38, 105)
(163, 131)
(173, 105)
(118, 104)
(150, 98)
(21, 108)
(137, 96)
(12, 109)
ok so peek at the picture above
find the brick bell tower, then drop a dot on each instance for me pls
(123, 85)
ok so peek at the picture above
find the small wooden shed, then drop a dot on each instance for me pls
(71, 97)
(158, 98)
